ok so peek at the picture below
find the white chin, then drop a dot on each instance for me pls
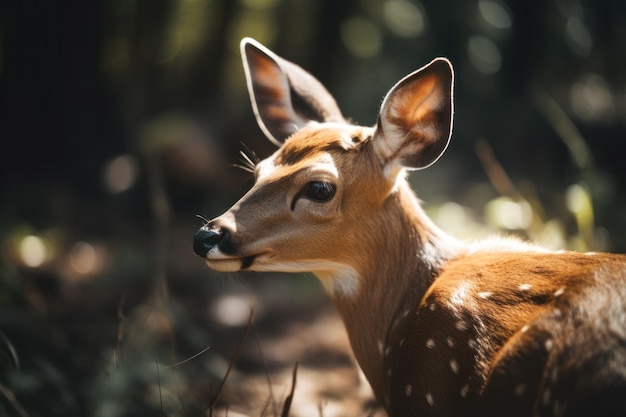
(225, 265)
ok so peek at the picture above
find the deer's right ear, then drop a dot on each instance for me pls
(284, 96)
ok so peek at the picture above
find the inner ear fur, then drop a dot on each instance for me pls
(415, 121)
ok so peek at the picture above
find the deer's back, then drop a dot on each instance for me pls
(524, 333)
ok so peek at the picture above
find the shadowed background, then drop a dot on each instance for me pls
(120, 122)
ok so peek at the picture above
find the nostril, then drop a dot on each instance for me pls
(205, 239)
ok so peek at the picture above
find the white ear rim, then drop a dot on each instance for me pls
(246, 68)
(389, 148)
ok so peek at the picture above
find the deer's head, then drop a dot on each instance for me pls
(313, 200)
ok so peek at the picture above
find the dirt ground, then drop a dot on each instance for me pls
(182, 343)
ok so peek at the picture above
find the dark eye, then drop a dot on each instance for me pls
(319, 191)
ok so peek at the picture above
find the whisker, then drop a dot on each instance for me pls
(248, 159)
(251, 153)
(204, 219)
(244, 167)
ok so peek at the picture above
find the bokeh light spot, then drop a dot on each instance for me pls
(591, 98)
(83, 258)
(484, 54)
(120, 173)
(361, 37)
(405, 19)
(495, 13)
(578, 36)
(32, 250)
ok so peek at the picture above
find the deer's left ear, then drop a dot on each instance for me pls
(415, 120)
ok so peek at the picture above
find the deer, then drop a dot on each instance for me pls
(439, 326)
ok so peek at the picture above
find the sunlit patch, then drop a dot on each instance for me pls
(577, 199)
(506, 213)
(232, 310)
(456, 220)
(579, 202)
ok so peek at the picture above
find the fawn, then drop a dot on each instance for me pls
(439, 327)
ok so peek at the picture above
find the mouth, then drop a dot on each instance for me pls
(231, 264)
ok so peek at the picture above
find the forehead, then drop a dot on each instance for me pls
(312, 147)
(318, 138)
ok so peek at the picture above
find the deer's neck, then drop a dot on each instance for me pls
(405, 256)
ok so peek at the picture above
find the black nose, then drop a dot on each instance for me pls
(205, 239)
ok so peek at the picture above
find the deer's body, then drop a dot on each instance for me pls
(439, 327)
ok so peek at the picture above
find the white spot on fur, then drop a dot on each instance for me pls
(432, 306)
(460, 294)
(549, 344)
(472, 344)
(461, 325)
(408, 390)
(454, 366)
(430, 344)
(559, 292)
(429, 399)
(525, 287)
(525, 328)
(450, 341)
(485, 294)
(465, 390)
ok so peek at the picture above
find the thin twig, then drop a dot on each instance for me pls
(267, 373)
(565, 129)
(233, 360)
(8, 394)
(188, 359)
(266, 406)
(495, 172)
(289, 398)
(320, 409)
(121, 324)
(159, 383)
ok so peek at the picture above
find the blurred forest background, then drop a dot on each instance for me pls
(119, 123)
